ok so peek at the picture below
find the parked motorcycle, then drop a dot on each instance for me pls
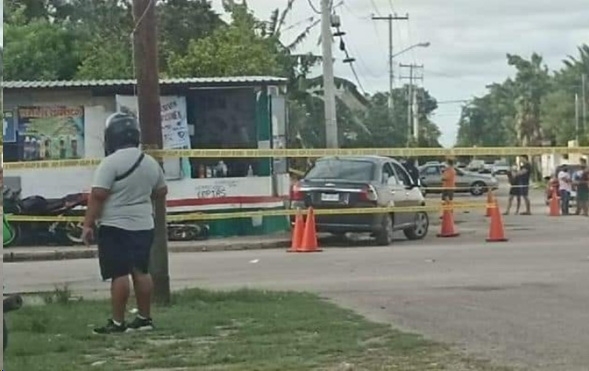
(11, 303)
(187, 232)
(33, 232)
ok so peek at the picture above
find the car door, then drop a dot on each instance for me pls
(412, 195)
(398, 192)
(463, 181)
(431, 176)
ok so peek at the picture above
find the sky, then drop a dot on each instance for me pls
(469, 41)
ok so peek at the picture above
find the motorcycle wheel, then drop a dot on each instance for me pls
(73, 232)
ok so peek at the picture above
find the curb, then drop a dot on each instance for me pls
(92, 253)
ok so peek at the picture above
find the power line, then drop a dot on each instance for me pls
(349, 60)
(296, 24)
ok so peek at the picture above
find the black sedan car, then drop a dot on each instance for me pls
(362, 182)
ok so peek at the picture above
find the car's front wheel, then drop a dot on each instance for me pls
(477, 188)
(420, 229)
(385, 236)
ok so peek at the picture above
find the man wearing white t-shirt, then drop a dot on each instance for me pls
(564, 189)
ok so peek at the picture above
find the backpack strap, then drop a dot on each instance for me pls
(131, 169)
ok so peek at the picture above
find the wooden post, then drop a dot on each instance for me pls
(148, 103)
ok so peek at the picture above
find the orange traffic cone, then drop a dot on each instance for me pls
(496, 230)
(490, 201)
(297, 232)
(447, 229)
(554, 203)
(309, 241)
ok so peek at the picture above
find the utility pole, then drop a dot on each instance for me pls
(390, 18)
(584, 103)
(412, 116)
(148, 103)
(577, 126)
(331, 132)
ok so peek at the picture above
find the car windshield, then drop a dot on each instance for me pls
(354, 170)
(500, 163)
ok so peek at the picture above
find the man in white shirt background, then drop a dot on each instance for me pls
(564, 189)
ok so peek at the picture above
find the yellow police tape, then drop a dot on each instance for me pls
(259, 213)
(318, 152)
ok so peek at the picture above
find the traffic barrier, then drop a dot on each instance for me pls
(490, 201)
(297, 232)
(309, 242)
(554, 203)
(317, 152)
(261, 213)
(496, 228)
(447, 228)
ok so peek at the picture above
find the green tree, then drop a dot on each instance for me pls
(531, 83)
(232, 50)
(38, 49)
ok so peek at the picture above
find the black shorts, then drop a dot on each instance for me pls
(524, 190)
(515, 191)
(120, 251)
(447, 195)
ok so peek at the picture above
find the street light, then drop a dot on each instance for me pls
(419, 45)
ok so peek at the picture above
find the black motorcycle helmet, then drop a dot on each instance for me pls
(122, 131)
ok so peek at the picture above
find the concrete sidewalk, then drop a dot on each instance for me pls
(39, 253)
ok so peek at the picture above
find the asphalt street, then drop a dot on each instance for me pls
(522, 302)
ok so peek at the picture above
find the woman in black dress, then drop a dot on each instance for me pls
(514, 190)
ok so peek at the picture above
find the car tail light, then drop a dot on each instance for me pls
(368, 194)
(295, 192)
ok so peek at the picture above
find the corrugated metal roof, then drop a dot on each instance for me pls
(196, 81)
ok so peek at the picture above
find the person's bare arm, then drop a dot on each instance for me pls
(103, 179)
(98, 197)
(160, 190)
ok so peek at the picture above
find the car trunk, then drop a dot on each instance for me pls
(334, 193)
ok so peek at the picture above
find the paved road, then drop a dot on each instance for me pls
(523, 302)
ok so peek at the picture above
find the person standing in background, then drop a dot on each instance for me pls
(514, 190)
(582, 185)
(564, 189)
(524, 183)
(448, 181)
(413, 171)
(448, 184)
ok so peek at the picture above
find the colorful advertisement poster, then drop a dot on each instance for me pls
(9, 127)
(51, 132)
(175, 133)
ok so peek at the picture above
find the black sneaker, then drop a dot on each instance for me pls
(140, 324)
(110, 328)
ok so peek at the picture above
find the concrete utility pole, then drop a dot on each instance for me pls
(584, 103)
(148, 103)
(331, 132)
(577, 126)
(412, 105)
(390, 18)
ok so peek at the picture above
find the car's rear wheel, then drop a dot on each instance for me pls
(385, 236)
(477, 188)
(419, 231)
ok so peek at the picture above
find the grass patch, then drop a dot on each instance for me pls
(203, 330)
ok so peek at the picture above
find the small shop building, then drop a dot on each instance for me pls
(64, 120)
